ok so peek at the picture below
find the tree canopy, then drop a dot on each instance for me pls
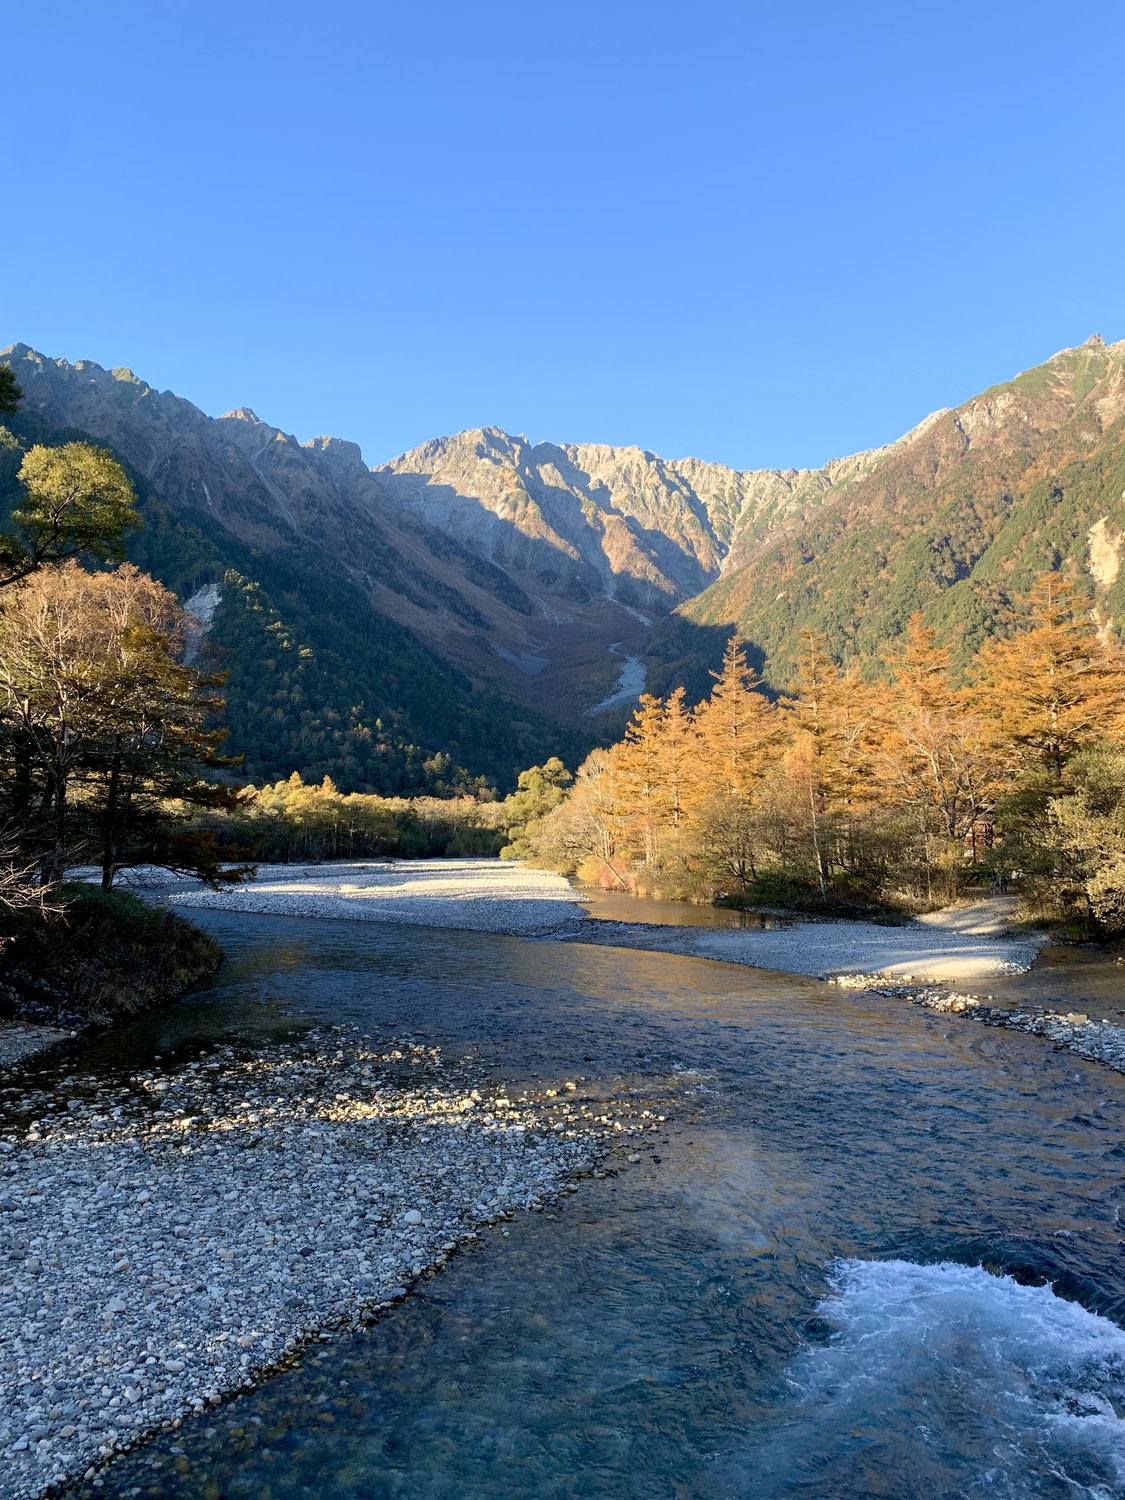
(76, 499)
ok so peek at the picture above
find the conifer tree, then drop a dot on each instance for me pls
(1051, 689)
(819, 757)
(641, 775)
(931, 756)
(736, 729)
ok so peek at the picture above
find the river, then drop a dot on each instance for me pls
(835, 1280)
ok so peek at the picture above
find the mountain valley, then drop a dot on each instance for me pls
(496, 599)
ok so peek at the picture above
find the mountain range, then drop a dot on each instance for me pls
(496, 599)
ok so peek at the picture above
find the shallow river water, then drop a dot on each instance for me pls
(834, 1280)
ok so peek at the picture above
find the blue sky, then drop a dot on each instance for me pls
(760, 234)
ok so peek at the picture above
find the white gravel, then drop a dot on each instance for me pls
(963, 943)
(480, 895)
(168, 1237)
(915, 952)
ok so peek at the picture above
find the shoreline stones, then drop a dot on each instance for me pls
(169, 1238)
(1071, 1031)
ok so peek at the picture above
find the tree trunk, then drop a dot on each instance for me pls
(109, 825)
(816, 842)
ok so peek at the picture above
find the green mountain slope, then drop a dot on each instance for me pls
(954, 520)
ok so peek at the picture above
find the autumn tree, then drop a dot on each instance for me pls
(931, 758)
(737, 729)
(828, 755)
(1052, 688)
(583, 834)
(102, 727)
(655, 771)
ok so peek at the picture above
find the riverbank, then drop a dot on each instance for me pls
(20, 1041)
(966, 944)
(97, 959)
(1074, 1031)
(963, 944)
(646, 1336)
(473, 895)
(173, 1236)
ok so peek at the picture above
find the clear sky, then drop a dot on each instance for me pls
(764, 234)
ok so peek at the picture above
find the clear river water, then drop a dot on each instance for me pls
(879, 1254)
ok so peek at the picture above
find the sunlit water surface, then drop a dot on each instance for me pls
(834, 1281)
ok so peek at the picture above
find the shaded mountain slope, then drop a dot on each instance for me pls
(503, 599)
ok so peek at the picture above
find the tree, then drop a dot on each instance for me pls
(1087, 838)
(78, 499)
(539, 790)
(584, 830)
(10, 392)
(818, 759)
(737, 728)
(1053, 688)
(654, 771)
(102, 727)
(931, 758)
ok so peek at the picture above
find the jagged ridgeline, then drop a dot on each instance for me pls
(498, 601)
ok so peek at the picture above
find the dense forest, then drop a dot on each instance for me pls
(894, 790)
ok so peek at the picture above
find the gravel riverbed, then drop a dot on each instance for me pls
(169, 1237)
(920, 950)
(476, 895)
(19, 1041)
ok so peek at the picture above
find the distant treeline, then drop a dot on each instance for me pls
(293, 821)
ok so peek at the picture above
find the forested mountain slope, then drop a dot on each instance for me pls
(955, 520)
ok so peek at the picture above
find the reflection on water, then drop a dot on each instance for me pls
(687, 1330)
(619, 906)
(1070, 978)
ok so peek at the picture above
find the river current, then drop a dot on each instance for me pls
(879, 1254)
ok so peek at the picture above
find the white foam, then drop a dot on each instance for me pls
(948, 1380)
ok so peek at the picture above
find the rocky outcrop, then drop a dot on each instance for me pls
(620, 522)
(517, 562)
